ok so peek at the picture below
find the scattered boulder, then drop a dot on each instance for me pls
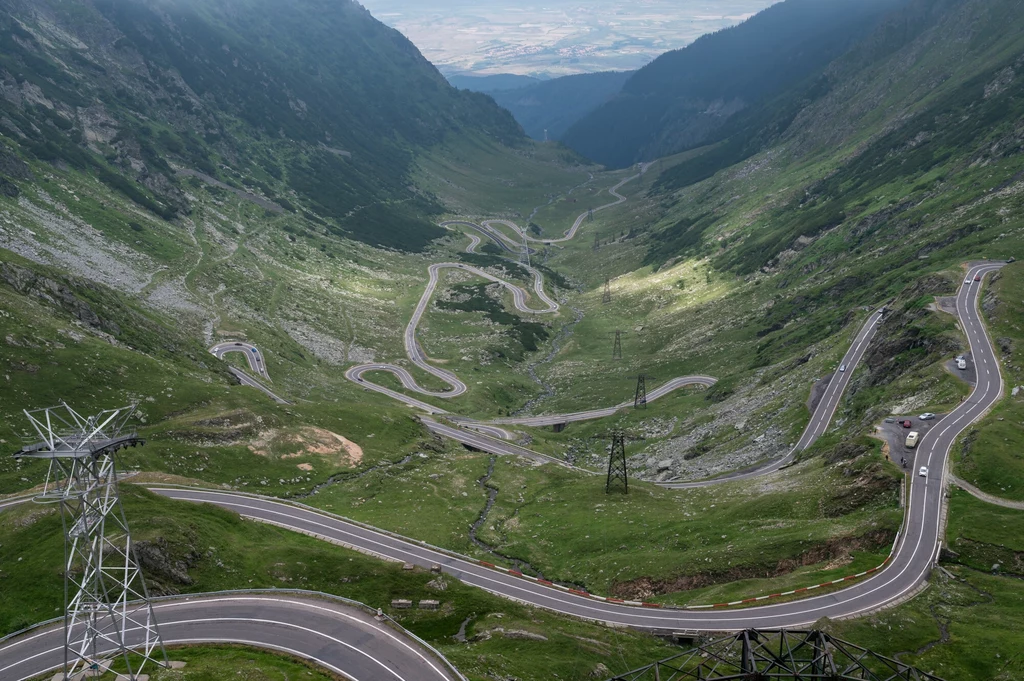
(523, 635)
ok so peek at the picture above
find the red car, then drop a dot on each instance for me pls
(977, 277)
(907, 423)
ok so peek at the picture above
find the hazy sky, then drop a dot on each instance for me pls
(554, 37)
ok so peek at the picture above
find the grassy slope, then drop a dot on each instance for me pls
(968, 627)
(990, 455)
(227, 552)
(210, 663)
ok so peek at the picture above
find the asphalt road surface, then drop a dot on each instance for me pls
(909, 566)
(342, 639)
(252, 355)
(821, 417)
(257, 365)
(912, 559)
(419, 358)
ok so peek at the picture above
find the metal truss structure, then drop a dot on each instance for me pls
(640, 400)
(107, 611)
(755, 655)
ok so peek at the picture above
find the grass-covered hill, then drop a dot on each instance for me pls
(680, 99)
(314, 105)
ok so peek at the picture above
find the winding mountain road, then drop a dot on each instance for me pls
(520, 299)
(337, 637)
(820, 418)
(914, 553)
(912, 559)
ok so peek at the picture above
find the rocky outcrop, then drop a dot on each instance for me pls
(30, 283)
(166, 569)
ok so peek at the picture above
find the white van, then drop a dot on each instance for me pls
(912, 439)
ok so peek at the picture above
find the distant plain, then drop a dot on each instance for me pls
(554, 38)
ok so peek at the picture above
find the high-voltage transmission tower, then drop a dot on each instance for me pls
(640, 400)
(617, 348)
(590, 215)
(107, 612)
(607, 297)
(524, 253)
(617, 471)
(779, 655)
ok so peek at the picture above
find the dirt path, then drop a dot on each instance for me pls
(978, 494)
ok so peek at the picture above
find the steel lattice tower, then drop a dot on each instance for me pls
(780, 655)
(607, 297)
(524, 253)
(107, 610)
(640, 400)
(617, 462)
(617, 348)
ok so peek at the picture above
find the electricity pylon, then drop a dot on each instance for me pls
(617, 471)
(107, 612)
(524, 252)
(640, 400)
(607, 297)
(617, 348)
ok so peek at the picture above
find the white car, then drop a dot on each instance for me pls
(923, 472)
(842, 367)
(969, 280)
(927, 416)
(961, 363)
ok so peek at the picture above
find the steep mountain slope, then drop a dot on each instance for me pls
(316, 104)
(495, 83)
(681, 98)
(930, 97)
(555, 105)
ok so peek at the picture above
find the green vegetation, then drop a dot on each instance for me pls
(989, 456)
(218, 550)
(968, 623)
(212, 663)
(733, 68)
(334, 127)
(650, 544)
(474, 298)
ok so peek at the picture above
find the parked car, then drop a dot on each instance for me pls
(961, 363)
(927, 416)
(923, 472)
(911, 440)
(890, 420)
(907, 423)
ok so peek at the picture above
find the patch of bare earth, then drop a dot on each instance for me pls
(309, 441)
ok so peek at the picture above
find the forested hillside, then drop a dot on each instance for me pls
(555, 105)
(315, 105)
(683, 97)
